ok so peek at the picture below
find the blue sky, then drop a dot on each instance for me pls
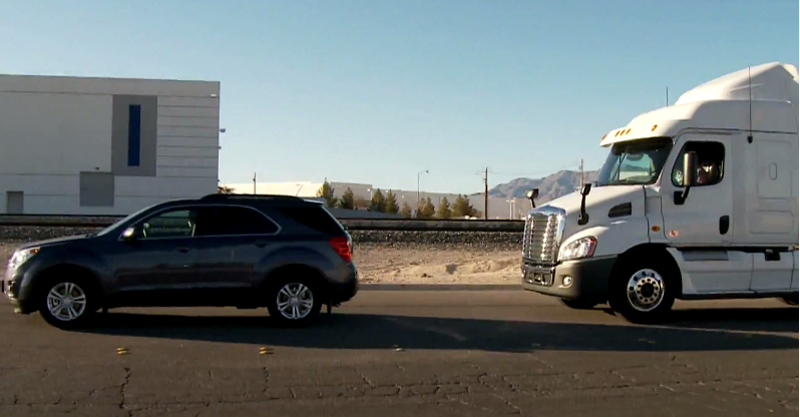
(377, 90)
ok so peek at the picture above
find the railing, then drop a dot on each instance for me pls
(350, 223)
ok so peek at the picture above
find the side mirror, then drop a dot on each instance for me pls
(689, 169)
(583, 216)
(533, 194)
(689, 177)
(129, 235)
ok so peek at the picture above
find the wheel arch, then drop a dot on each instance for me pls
(651, 250)
(46, 275)
(295, 269)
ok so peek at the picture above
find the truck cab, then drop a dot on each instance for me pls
(697, 200)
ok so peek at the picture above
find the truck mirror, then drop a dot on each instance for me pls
(583, 216)
(689, 177)
(533, 194)
(689, 169)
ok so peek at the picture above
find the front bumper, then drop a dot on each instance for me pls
(10, 288)
(589, 278)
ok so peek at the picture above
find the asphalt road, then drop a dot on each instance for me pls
(407, 353)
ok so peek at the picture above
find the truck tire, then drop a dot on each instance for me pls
(580, 303)
(294, 301)
(643, 292)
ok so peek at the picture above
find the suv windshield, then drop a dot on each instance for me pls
(635, 162)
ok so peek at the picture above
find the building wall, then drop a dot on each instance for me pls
(105, 146)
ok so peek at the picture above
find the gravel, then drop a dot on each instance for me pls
(491, 241)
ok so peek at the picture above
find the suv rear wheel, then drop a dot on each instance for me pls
(295, 302)
(67, 302)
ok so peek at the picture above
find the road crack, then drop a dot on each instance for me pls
(122, 392)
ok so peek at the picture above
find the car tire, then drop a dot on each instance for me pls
(643, 292)
(295, 302)
(68, 301)
(579, 303)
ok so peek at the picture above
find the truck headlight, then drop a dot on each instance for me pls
(577, 249)
(21, 256)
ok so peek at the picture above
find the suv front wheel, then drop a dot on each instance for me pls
(295, 302)
(66, 303)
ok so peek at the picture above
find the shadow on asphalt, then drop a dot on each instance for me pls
(708, 330)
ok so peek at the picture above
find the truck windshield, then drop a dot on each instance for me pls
(635, 162)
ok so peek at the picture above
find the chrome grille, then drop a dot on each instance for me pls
(540, 238)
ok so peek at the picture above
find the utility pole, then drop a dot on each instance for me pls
(254, 183)
(581, 171)
(486, 194)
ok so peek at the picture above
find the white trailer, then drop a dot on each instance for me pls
(697, 200)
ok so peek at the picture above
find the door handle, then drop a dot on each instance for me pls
(261, 244)
(724, 224)
(183, 250)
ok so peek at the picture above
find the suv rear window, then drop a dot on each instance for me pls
(316, 218)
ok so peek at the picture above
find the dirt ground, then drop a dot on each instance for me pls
(381, 265)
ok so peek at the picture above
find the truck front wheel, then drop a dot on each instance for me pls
(642, 291)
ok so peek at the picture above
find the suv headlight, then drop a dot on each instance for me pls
(21, 256)
(577, 249)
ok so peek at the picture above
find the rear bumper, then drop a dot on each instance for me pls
(589, 278)
(344, 290)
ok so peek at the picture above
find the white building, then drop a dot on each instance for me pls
(72, 145)
(499, 208)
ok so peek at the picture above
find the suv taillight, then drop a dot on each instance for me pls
(341, 244)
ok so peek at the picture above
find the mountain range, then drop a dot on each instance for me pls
(550, 187)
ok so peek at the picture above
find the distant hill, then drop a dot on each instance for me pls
(550, 187)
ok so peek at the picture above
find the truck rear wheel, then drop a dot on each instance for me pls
(642, 291)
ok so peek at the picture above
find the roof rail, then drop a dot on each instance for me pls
(250, 196)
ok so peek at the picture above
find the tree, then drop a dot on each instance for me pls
(348, 200)
(326, 192)
(462, 207)
(221, 189)
(390, 205)
(426, 209)
(444, 212)
(378, 202)
(405, 211)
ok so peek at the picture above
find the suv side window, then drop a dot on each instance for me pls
(710, 163)
(315, 218)
(175, 223)
(232, 220)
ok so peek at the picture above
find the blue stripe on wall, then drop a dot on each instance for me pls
(134, 134)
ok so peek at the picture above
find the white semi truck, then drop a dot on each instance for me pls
(697, 200)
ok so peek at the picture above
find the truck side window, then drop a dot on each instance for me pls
(710, 163)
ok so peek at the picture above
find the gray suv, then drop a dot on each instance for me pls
(246, 251)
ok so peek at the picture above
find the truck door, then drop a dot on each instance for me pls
(704, 217)
(700, 225)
